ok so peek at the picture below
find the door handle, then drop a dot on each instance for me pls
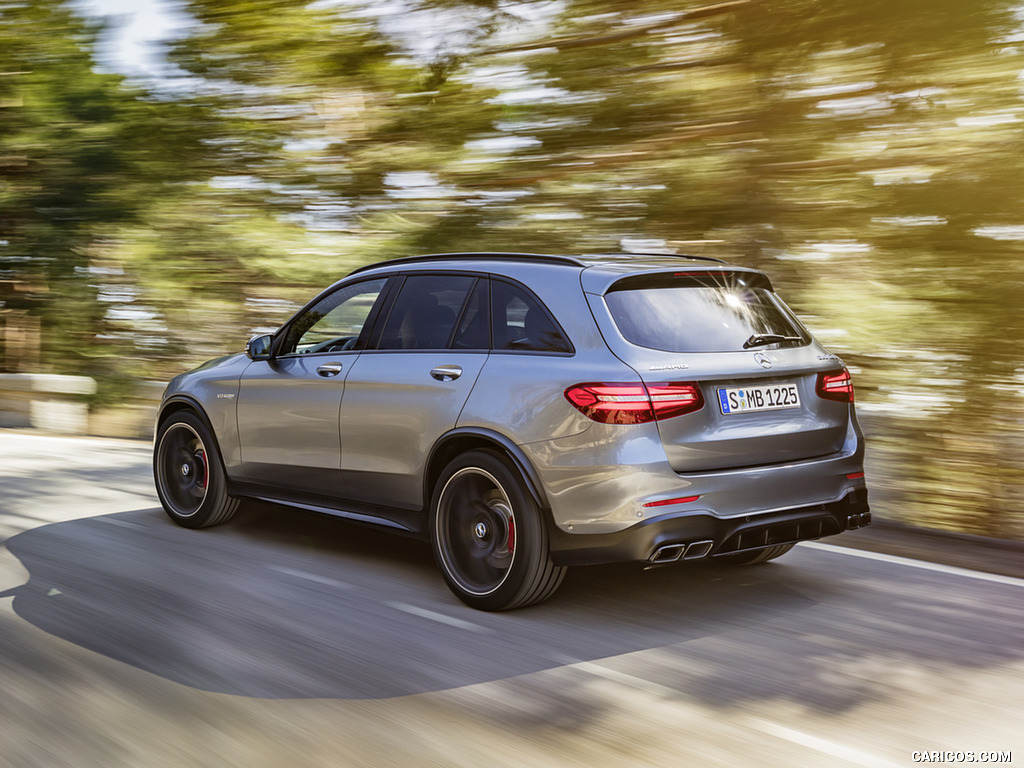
(446, 372)
(329, 369)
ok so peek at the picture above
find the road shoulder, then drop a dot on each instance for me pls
(977, 553)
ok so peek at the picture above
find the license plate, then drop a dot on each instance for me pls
(762, 397)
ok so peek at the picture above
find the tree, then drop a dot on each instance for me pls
(80, 152)
(862, 153)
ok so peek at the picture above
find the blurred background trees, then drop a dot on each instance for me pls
(864, 154)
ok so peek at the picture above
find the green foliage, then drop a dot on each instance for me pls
(863, 153)
(80, 153)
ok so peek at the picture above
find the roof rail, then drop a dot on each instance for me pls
(569, 260)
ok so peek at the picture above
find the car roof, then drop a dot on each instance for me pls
(471, 257)
(600, 270)
(626, 261)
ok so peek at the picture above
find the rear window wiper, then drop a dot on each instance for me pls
(760, 339)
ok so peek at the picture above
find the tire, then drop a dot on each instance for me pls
(489, 537)
(189, 475)
(756, 556)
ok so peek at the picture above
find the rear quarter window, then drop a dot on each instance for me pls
(521, 323)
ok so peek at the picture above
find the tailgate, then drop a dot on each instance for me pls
(757, 367)
(749, 420)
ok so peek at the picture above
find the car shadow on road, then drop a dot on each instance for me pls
(285, 604)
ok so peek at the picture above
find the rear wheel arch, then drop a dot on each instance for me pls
(489, 536)
(464, 440)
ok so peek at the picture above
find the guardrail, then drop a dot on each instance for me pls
(59, 404)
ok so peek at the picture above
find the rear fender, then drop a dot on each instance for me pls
(463, 439)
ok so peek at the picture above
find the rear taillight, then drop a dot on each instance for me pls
(611, 403)
(835, 385)
(671, 400)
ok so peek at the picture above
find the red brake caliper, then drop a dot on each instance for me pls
(201, 455)
(511, 535)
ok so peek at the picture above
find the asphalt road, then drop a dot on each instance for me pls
(288, 639)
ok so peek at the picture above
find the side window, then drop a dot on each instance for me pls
(335, 322)
(521, 322)
(425, 312)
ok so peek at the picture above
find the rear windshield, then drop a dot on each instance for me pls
(706, 312)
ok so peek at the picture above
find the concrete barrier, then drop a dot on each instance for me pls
(133, 417)
(45, 401)
(60, 404)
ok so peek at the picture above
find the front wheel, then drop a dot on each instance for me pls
(190, 479)
(489, 537)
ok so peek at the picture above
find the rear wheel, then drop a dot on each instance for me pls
(489, 537)
(190, 479)
(755, 556)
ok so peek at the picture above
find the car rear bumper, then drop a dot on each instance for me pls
(611, 478)
(694, 536)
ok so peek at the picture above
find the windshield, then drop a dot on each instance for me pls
(718, 312)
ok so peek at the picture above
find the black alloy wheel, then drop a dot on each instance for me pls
(190, 479)
(489, 537)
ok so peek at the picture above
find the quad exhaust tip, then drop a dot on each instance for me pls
(670, 553)
(853, 522)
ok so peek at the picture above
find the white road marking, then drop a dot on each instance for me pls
(919, 564)
(451, 621)
(824, 746)
(598, 670)
(122, 523)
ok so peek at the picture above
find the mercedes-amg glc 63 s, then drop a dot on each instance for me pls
(526, 413)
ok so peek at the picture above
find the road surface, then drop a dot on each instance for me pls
(289, 639)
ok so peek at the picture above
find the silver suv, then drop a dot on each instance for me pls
(526, 413)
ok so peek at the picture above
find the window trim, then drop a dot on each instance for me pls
(755, 281)
(373, 328)
(485, 311)
(384, 315)
(554, 321)
(281, 337)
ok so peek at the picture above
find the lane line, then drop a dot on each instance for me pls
(623, 678)
(441, 618)
(824, 746)
(806, 740)
(122, 523)
(326, 581)
(919, 564)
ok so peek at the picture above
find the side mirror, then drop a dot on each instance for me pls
(258, 347)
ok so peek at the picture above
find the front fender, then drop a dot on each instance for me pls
(212, 391)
